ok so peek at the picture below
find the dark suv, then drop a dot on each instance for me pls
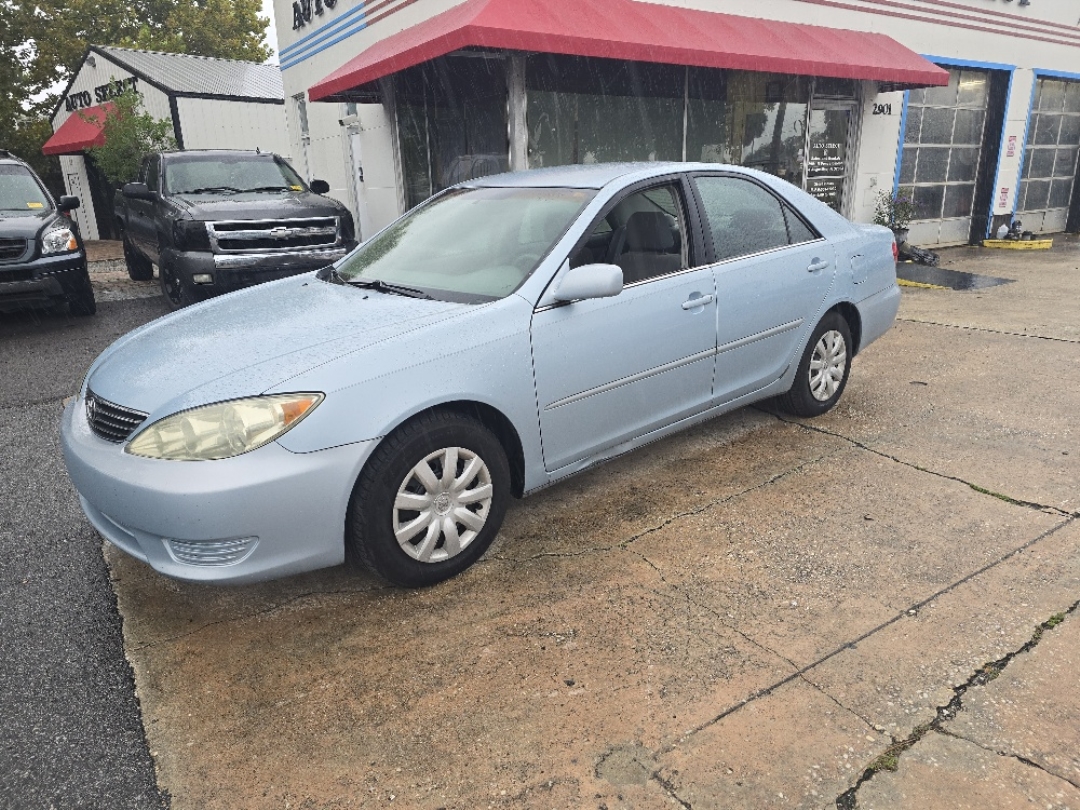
(42, 259)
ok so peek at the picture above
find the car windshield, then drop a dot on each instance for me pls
(473, 244)
(20, 190)
(230, 175)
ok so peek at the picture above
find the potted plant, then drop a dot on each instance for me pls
(895, 211)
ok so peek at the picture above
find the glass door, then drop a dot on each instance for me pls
(828, 137)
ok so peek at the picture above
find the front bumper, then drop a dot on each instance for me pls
(38, 281)
(235, 271)
(268, 513)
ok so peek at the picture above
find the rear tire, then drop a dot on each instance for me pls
(139, 268)
(412, 519)
(823, 370)
(79, 293)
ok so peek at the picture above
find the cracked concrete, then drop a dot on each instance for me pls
(745, 615)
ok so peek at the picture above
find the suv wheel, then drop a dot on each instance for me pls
(79, 293)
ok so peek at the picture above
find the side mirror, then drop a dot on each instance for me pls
(67, 203)
(137, 191)
(590, 281)
(319, 186)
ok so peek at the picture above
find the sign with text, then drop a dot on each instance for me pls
(304, 11)
(102, 93)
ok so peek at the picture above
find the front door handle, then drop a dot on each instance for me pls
(695, 301)
(817, 264)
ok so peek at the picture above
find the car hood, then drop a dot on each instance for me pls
(25, 224)
(256, 205)
(247, 342)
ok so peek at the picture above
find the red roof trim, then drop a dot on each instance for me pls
(638, 31)
(80, 130)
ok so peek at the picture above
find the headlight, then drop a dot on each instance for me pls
(223, 430)
(190, 235)
(58, 240)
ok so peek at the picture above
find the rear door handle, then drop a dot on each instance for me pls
(693, 302)
(817, 264)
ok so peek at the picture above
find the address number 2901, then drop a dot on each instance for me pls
(883, 109)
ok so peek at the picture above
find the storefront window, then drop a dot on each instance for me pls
(1050, 157)
(591, 110)
(452, 122)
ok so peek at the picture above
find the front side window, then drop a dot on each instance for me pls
(644, 235)
(230, 175)
(469, 244)
(743, 218)
(20, 191)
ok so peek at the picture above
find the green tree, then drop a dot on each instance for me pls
(131, 134)
(43, 41)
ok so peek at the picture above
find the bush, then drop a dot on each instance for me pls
(894, 210)
(131, 134)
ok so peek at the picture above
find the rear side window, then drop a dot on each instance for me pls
(743, 218)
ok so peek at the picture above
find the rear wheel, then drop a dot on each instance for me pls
(823, 369)
(430, 501)
(176, 291)
(139, 268)
(79, 293)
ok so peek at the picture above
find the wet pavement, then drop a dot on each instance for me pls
(873, 609)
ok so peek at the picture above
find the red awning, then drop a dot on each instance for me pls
(80, 131)
(637, 31)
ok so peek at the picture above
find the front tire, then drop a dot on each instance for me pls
(173, 287)
(430, 501)
(823, 370)
(79, 293)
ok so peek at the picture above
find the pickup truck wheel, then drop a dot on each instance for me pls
(138, 267)
(174, 288)
(79, 293)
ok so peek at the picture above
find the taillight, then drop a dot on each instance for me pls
(895, 252)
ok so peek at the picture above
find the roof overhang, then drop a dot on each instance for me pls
(80, 130)
(634, 31)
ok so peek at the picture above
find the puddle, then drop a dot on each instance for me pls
(939, 277)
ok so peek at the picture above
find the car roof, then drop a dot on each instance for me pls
(589, 175)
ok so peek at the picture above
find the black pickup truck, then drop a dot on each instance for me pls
(215, 221)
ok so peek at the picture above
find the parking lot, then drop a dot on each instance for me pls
(760, 612)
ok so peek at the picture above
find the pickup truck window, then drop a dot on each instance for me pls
(152, 173)
(202, 175)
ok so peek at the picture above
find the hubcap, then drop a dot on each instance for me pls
(442, 504)
(827, 365)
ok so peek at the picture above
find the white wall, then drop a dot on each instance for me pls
(77, 182)
(218, 124)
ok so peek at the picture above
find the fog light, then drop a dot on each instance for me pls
(202, 278)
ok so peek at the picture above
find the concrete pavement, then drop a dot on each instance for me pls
(874, 609)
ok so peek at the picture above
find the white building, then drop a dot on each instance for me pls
(973, 106)
(212, 103)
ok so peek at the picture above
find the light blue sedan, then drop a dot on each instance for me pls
(509, 332)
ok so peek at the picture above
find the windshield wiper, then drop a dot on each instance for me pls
(386, 287)
(213, 190)
(270, 188)
(330, 273)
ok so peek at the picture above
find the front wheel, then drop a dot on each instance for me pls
(173, 287)
(79, 293)
(823, 369)
(430, 501)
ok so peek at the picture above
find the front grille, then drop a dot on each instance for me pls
(272, 235)
(110, 421)
(11, 249)
(211, 552)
